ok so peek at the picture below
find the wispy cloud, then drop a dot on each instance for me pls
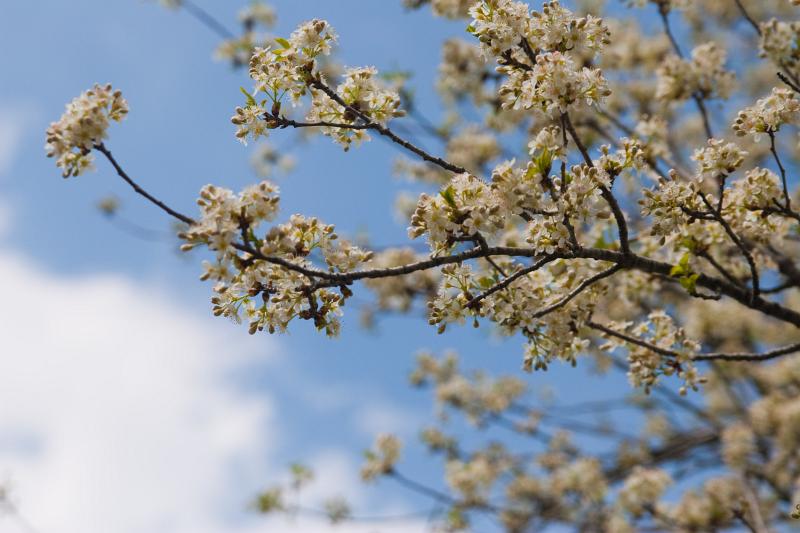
(119, 413)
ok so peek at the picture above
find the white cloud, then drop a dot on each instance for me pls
(369, 411)
(335, 475)
(378, 418)
(118, 412)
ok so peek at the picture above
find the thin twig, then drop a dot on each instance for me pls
(663, 11)
(747, 16)
(786, 198)
(385, 131)
(763, 356)
(789, 82)
(625, 260)
(737, 241)
(619, 216)
(577, 290)
(207, 19)
(698, 99)
(701, 107)
(509, 280)
(122, 174)
(719, 268)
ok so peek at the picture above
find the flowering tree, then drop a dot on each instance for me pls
(646, 224)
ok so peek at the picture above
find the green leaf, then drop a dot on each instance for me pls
(486, 282)
(283, 42)
(601, 243)
(689, 282)
(449, 196)
(250, 99)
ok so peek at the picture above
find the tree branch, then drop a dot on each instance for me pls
(619, 216)
(624, 260)
(764, 356)
(663, 11)
(205, 18)
(122, 174)
(385, 131)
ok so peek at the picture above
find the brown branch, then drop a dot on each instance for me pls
(633, 340)
(624, 260)
(789, 82)
(705, 254)
(701, 107)
(747, 16)
(278, 121)
(787, 200)
(205, 18)
(385, 131)
(763, 356)
(577, 290)
(619, 216)
(122, 174)
(737, 241)
(509, 280)
(663, 11)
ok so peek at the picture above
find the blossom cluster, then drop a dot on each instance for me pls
(710, 223)
(282, 70)
(768, 114)
(746, 204)
(382, 458)
(501, 25)
(361, 100)
(399, 293)
(703, 75)
(645, 365)
(468, 207)
(252, 279)
(267, 161)
(643, 488)
(452, 9)
(364, 98)
(718, 159)
(553, 86)
(779, 42)
(536, 50)
(82, 126)
(462, 71)
(477, 397)
(238, 49)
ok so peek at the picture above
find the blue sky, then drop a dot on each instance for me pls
(115, 307)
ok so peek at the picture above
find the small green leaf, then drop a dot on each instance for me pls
(283, 42)
(601, 243)
(689, 282)
(250, 99)
(486, 282)
(449, 196)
